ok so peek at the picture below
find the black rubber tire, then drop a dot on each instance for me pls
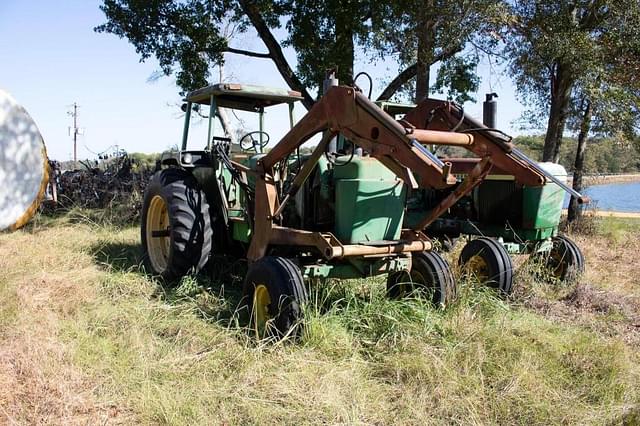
(190, 223)
(579, 255)
(285, 285)
(570, 254)
(430, 273)
(497, 260)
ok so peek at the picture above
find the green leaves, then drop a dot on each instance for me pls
(457, 78)
(182, 35)
(188, 37)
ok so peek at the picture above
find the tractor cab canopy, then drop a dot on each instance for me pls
(243, 96)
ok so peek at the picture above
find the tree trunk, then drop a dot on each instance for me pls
(410, 72)
(561, 84)
(344, 45)
(578, 165)
(424, 55)
(250, 8)
(423, 66)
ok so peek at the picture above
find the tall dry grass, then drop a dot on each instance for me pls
(87, 337)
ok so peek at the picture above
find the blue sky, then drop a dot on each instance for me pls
(51, 57)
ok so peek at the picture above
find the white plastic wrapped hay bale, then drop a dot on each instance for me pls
(24, 168)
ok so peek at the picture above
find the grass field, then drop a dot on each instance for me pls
(87, 338)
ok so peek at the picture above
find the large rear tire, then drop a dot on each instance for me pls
(176, 226)
(430, 275)
(274, 292)
(488, 260)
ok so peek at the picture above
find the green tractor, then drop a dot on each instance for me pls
(502, 215)
(338, 212)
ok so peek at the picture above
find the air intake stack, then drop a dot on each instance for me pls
(490, 110)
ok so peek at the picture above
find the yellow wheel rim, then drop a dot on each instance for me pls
(479, 267)
(411, 282)
(261, 302)
(158, 246)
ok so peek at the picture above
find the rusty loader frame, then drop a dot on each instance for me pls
(345, 111)
(489, 145)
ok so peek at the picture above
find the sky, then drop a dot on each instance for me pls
(50, 57)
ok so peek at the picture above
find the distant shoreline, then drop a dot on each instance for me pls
(609, 213)
(603, 179)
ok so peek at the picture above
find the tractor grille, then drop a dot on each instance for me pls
(498, 202)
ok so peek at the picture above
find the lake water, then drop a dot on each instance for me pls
(624, 197)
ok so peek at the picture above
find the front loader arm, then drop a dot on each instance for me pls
(343, 110)
(443, 115)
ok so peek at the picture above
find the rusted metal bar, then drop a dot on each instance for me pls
(432, 114)
(581, 199)
(465, 165)
(331, 248)
(438, 137)
(446, 170)
(364, 250)
(266, 200)
(306, 170)
(471, 181)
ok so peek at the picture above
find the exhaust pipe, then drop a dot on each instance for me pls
(330, 80)
(490, 110)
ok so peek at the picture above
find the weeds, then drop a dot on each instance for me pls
(121, 348)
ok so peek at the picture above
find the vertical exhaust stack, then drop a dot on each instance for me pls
(490, 110)
(329, 81)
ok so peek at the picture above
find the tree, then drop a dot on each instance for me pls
(549, 46)
(422, 33)
(607, 99)
(185, 36)
(328, 39)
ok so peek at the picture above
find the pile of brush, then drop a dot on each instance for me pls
(118, 184)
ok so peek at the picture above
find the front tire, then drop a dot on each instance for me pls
(176, 226)
(274, 293)
(488, 260)
(430, 274)
(565, 260)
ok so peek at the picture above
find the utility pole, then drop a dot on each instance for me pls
(74, 114)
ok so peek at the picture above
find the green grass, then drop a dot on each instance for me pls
(616, 228)
(182, 356)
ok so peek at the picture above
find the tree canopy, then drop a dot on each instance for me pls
(186, 39)
(554, 49)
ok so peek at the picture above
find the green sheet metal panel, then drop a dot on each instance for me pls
(542, 206)
(241, 231)
(369, 202)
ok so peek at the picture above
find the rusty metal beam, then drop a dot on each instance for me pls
(433, 114)
(331, 248)
(477, 174)
(436, 137)
(306, 170)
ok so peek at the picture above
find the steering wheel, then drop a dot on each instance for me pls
(248, 142)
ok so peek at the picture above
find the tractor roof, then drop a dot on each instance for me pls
(243, 96)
